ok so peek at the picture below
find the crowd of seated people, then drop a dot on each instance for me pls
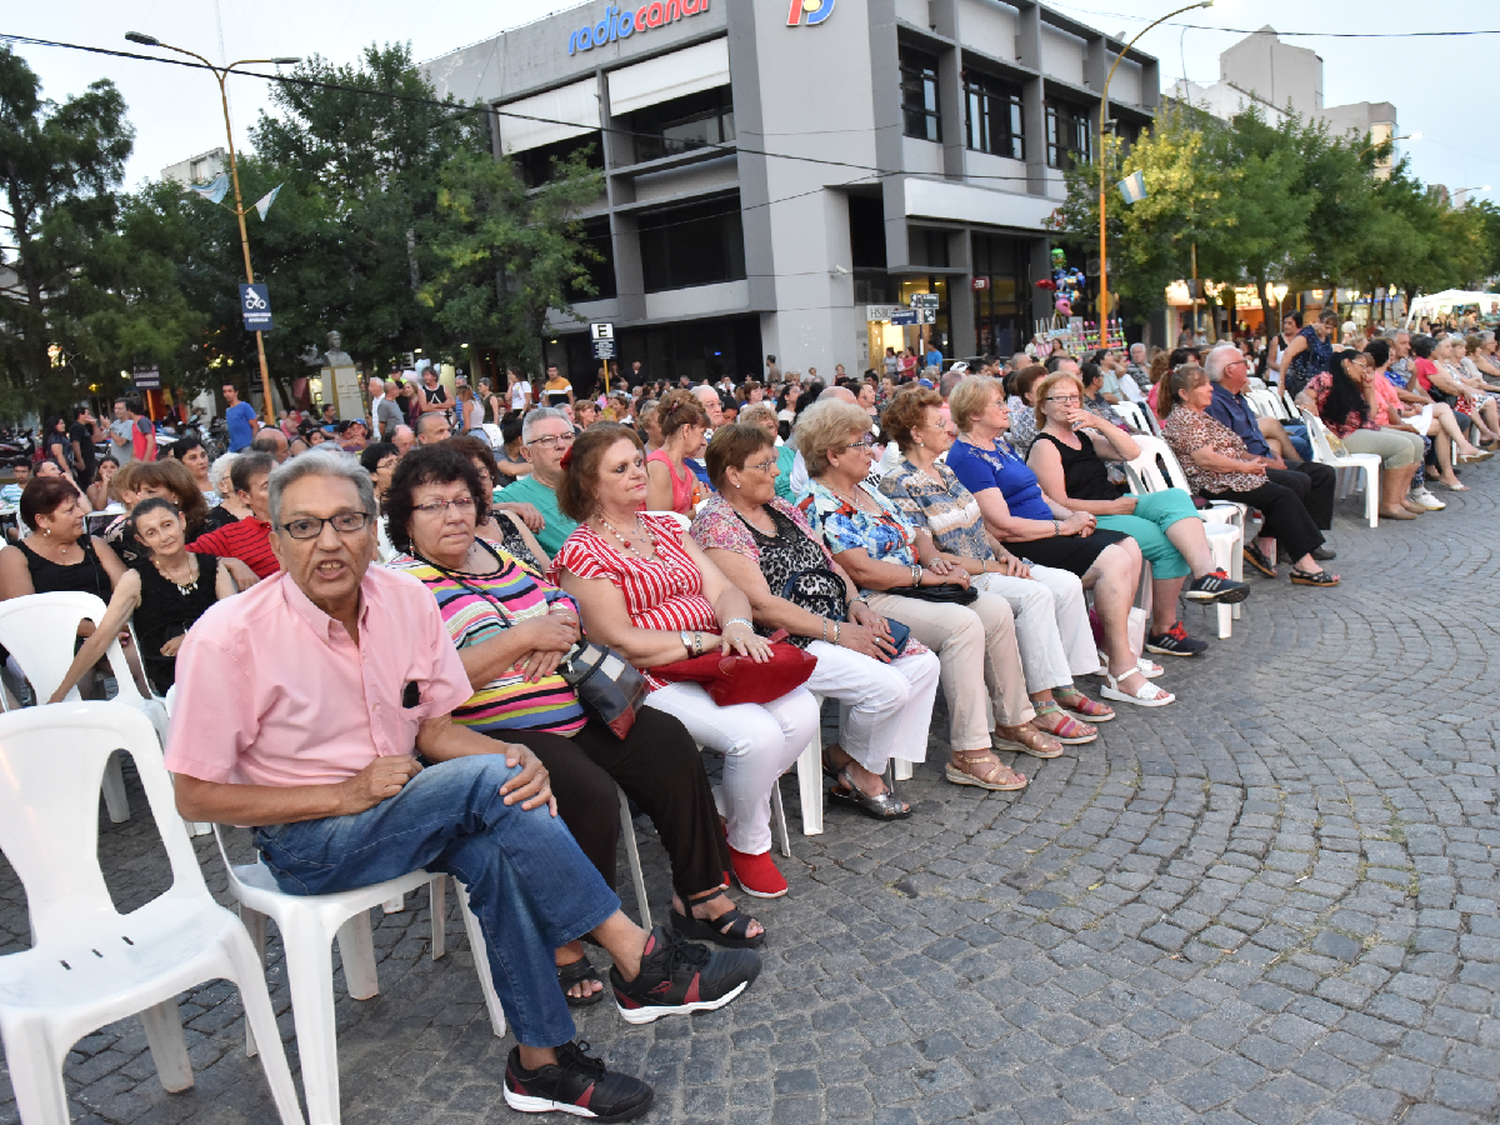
(989, 551)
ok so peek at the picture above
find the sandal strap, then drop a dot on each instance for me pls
(1065, 725)
(733, 923)
(965, 758)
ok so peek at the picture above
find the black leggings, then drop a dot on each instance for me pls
(1286, 518)
(659, 767)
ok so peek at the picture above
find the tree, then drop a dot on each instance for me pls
(507, 254)
(60, 166)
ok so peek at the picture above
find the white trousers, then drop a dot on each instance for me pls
(760, 742)
(885, 710)
(1052, 625)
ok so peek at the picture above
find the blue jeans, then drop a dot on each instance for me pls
(1297, 433)
(530, 887)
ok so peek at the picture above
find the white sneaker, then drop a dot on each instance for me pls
(1424, 499)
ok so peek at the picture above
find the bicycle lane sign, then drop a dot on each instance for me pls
(255, 307)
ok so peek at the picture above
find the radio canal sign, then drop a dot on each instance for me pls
(622, 23)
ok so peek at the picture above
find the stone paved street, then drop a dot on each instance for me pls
(1274, 902)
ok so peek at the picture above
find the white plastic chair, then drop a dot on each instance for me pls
(1223, 521)
(91, 965)
(1366, 463)
(1140, 418)
(39, 631)
(309, 924)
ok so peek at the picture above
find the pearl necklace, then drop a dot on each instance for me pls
(183, 588)
(629, 544)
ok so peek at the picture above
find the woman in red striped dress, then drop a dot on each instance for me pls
(648, 591)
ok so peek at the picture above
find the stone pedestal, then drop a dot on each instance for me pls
(341, 386)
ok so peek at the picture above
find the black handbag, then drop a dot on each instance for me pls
(945, 592)
(609, 687)
(819, 590)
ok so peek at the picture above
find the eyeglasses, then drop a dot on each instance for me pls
(552, 441)
(1064, 398)
(462, 504)
(762, 466)
(864, 443)
(310, 527)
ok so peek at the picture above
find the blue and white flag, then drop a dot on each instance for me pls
(263, 204)
(1133, 187)
(215, 191)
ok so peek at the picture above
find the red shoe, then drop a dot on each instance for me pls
(757, 874)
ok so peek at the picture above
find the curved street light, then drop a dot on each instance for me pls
(1103, 119)
(222, 74)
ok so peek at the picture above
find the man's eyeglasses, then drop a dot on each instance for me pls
(552, 441)
(463, 505)
(309, 527)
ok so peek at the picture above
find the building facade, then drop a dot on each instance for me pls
(780, 182)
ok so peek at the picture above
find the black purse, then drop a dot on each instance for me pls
(819, 590)
(946, 592)
(609, 687)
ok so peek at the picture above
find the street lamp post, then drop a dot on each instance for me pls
(1103, 119)
(222, 74)
(1465, 190)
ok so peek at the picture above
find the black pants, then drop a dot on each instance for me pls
(659, 767)
(1313, 483)
(1286, 518)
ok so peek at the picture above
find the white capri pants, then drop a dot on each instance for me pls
(885, 710)
(759, 741)
(1052, 625)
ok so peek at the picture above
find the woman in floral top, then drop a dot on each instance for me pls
(1348, 401)
(765, 547)
(877, 547)
(1217, 465)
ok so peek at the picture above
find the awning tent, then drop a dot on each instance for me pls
(1435, 304)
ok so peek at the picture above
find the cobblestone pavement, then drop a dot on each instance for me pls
(1273, 902)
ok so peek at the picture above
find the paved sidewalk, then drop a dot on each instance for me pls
(1273, 902)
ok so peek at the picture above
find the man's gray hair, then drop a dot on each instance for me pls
(317, 463)
(1219, 358)
(540, 414)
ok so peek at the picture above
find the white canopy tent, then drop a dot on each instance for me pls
(1435, 304)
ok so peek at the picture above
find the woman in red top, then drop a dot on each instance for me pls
(649, 592)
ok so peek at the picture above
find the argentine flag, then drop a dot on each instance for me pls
(1133, 187)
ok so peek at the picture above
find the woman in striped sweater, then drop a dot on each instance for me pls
(512, 629)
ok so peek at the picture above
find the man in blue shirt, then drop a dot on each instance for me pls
(240, 417)
(1313, 482)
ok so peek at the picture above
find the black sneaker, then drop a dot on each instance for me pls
(679, 976)
(578, 1084)
(1257, 558)
(1174, 642)
(1216, 586)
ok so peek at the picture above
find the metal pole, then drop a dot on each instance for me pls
(1099, 158)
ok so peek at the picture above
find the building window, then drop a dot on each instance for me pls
(1068, 135)
(599, 266)
(539, 165)
(992, 120)
(919, 96)
(698, 120)
(1002, 313)
(697, 245)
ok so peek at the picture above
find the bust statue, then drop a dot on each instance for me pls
(336, 356)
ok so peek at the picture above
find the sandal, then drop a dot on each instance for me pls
(1321, 578)
(880, 806)
(1062, 726)
(728, 929)
(578, 972)
(1149, 694)
(1082, 707)
(1027, 739)
(982, 769)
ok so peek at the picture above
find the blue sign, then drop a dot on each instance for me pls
(909, 317)
(255, 307)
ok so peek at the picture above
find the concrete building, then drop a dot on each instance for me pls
(1262, 70)
(198, 169)
(780, 182)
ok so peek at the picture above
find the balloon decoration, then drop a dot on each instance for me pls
(1065, 283)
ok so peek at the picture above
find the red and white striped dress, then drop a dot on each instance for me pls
(664, 593)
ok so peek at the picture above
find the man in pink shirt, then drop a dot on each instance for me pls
(303, 705)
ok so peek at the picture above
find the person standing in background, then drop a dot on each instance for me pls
(240, 417)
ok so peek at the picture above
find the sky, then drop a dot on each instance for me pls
(1435, 83)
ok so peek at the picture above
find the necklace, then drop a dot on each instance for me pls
(629, 544)
(183, 588)
(853, 501)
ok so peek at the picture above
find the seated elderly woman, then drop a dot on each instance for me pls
(1347, 398)
(1022, 385)
(976, 642)
(512, 524)
(763, 414)
(1052, 621)
(1044, 532)
(1068, 458)
(1218, 465)
(512, 630)
(649, 592)
(765, 547)
(230, 507)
